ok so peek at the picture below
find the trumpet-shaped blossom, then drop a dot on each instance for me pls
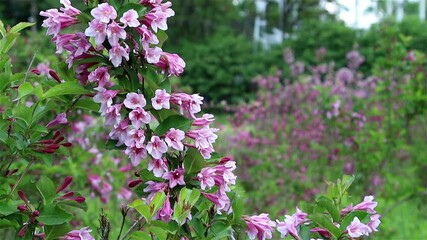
(188, 104)
(56, 21)
(105, 97)
(161, 99)
(158, 167)
(114, 33)
(101, 76)
(136, 154)
(175, 177)
(357, 229)
(174, 139)
(98, 30)
(204, 121)
(68, 9)
(288, 226)
(221, 201)
(156, 147)
(59, 119)
(117, 53)
(147, 36)
(82, 234)
(120, 131)
(138, 116)
(104, 13)
(135, 137)
(112, 115)
(203, 137)
(152, 55)
(134, 100)
(260, 227)
(157, 17)
(165, 213)
(171, 63)
(374, 223)
(206, 178)
(81, 44)
(367, 205)
(130, 18)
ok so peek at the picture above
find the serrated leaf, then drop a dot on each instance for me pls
(67, 88)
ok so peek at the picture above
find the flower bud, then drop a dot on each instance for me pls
(65, 184)
(22, 208)
(55, 76)
(134, 183)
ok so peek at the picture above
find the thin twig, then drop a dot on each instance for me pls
(132, 227)
(22, 176)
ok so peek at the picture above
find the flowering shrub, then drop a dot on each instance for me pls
(317, 122)
(185, 189)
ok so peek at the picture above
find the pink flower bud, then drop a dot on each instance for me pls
(134, 183)
(22, 208)
(65, 184)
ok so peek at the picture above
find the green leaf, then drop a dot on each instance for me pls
(74, 204)
(24, 89)
(323, 221)
(56, 231)
(157, 202)
(67, 88)
(2, 29)
(54, 215)
(88, 104)
(162, 36)
(142, 208)
(174, 121)
(140, 236)
(6, 223)
(47, 189)
(24, 113)
(7, 42)
(159, 232)
(330, 207)
(18, 27)
(193, 161)
(219, 230)
(7, 208)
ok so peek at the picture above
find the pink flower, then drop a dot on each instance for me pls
(288, 226)
(188, 104)
(300, 216)
(154, 187)
(156, 147)
(136, 154)
(105, 97)
(152, 55)
(56, 21)
(117, 53)
(120, 131)
(135, 137)
(357, 229)
(82, 234)
(104, 13)
(165, 213)
(147, 36)
(124, 194)
(206, 178)
(161, 99)
(130, 18)
(157, 17)
(367, 205)
(98, 30)
(174, 139)
(260, 226)
(114, 33)
(175, 177)
(134, 100)
(171, 63)
(112, 115)
(101, 76)
(374, 223)
(221, 201)
(203, 137)
(105, 191)
(81, 43)
(68, 9)
(138, 116)
(44, 69)
(59, 119)
(204, 121)
(158, 166)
